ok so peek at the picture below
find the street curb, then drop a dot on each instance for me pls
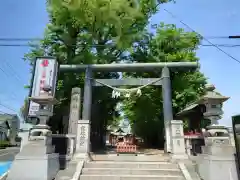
(78, 172)
(10, 148)
(185, 172)
(4, 176)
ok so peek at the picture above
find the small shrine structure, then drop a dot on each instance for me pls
(205, 111)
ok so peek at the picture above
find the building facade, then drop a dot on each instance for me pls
(9, 127)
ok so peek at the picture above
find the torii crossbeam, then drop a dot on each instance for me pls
(133, 67)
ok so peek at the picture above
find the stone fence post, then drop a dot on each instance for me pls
(178, 143)
(83, 139)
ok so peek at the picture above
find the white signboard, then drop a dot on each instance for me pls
(46, 70)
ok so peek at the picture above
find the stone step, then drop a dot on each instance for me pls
(129, 157)
(119, 171)
(130, 177)
(131, 165)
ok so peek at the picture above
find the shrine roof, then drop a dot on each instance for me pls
(211, 94)
(187, 109)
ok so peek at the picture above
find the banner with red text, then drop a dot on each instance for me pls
(46, 69)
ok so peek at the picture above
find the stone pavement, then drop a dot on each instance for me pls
(192, 170)
(68, 173)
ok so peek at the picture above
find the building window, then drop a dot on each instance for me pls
(215, 106)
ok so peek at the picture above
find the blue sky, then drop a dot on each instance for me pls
(28, 18)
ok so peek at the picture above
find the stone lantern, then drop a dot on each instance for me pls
(46, 100)
(37, 159)
(213, 102)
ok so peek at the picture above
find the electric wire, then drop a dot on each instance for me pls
(39, 39)
(6, 74)
(216, 46)
(2, 112)
(17, 78)
(8, 107)
(96, 45)
(14, 73)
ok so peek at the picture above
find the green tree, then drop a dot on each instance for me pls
(169, 44)
(86, 32)
(23, 109)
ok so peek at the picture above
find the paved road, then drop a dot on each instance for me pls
(8, 154)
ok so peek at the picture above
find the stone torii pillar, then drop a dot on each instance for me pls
(84, 127)
(167, 107)
(87, 100)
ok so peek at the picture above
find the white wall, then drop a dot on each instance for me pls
(14, 128)
(3, 131)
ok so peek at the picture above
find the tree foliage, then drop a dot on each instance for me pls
(107, 31)
(91, 31)
(23, 109)
(169, 44)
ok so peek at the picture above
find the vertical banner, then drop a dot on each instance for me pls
(46, 69)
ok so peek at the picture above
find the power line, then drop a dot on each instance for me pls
(4, 113)
(222, 45)
(20, 39)
(1, 69)
(16, 45)
(6, 74)
(7, 107)
(207, 45)
(39, 39)
(7, 113)
(15, 74)
(216, 46)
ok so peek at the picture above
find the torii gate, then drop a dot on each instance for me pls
(134, 67)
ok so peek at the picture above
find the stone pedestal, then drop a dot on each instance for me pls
(217, 161)
(72, 144)
(178, 144)
(36, 161)
(65, 145)
(83, 139)
(215, 141)
(232, 139)
(167, 134)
